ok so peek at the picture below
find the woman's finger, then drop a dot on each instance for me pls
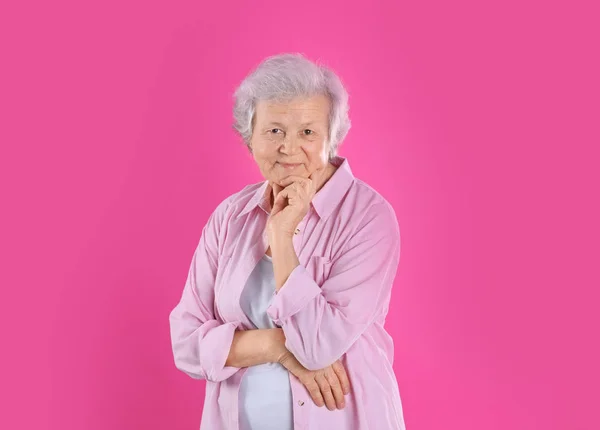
(305, 184)
(325, 391)
(276, 188)
(294, 178)
(291, 193)
(315, 392)
(336, 387)
(279, 202)
(340, 371)
(299, 183)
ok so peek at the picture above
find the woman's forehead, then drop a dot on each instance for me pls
(301, 110)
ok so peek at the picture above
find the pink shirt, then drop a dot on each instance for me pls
(332, 306)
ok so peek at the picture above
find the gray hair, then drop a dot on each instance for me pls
(283, 77)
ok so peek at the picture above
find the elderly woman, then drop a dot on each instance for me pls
(284, 306)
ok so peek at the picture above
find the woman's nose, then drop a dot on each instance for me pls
(291, 143)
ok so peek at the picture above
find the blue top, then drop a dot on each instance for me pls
(265, 396)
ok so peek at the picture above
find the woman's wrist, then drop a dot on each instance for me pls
(278, 239)
(276, 345)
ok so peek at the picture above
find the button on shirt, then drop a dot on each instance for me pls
(332, 306)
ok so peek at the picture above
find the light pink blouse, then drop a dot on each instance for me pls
(332, 306)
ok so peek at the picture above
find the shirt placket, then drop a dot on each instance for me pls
(301, 404)
(300, 398)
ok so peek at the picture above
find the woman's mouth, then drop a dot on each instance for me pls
(289, 165)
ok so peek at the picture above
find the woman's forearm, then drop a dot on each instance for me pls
(285, 259)
(253, 347)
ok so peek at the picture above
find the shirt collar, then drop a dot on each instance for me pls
(324, 201)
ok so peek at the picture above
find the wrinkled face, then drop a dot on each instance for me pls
(291, 138)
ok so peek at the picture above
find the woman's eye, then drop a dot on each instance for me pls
(308, 134)
(274, 130)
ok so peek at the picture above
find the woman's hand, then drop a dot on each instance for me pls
(326, 386)
(291, 203)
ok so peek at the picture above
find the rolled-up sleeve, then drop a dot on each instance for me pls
(321, 323)
(200, 342)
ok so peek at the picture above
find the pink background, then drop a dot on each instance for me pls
(475, 119)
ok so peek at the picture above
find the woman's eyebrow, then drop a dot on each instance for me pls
(278, 124)
(275, 123)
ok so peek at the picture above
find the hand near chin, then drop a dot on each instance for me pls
(292, 200)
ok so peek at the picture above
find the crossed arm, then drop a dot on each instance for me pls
(203, 346)
(318, 323)
(254, 347)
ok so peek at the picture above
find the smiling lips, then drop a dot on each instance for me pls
(289, 166)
